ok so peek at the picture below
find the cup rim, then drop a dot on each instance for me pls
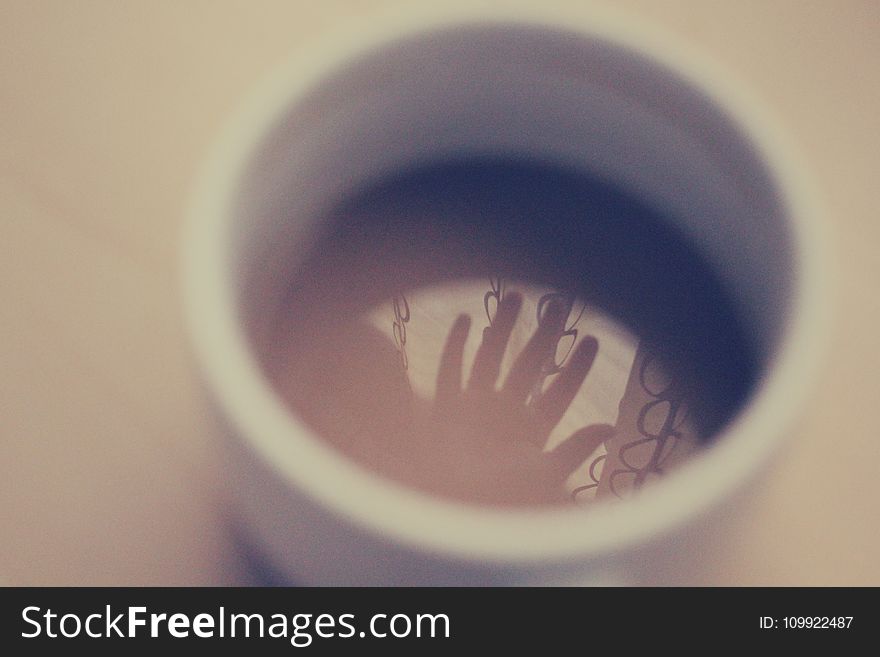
(410, 517)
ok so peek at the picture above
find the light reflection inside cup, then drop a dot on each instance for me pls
(368, 385)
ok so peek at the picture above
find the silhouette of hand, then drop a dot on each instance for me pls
(491, 439)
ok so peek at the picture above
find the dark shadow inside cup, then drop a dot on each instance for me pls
(537, 222)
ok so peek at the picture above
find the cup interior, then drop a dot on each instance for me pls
(702, 255)
(524, 92)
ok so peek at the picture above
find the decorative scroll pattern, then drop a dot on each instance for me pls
(398, 327)
(566, 340)
(659, 426)
(564, 343)
(493, 297)
(595, 473)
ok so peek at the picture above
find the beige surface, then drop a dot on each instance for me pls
(107, 468)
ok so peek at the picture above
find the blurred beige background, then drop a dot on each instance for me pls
(108, 471)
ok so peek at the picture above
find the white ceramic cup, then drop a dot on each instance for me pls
(583, 89)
